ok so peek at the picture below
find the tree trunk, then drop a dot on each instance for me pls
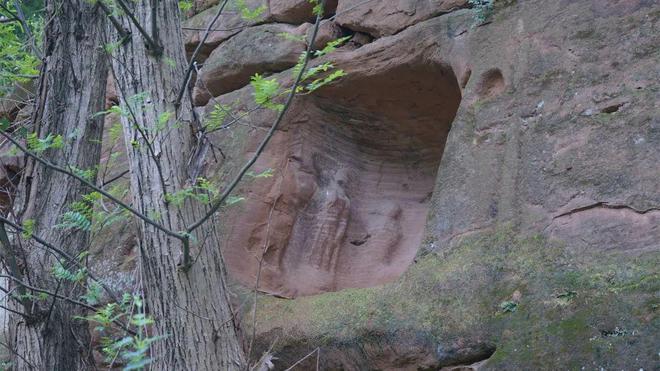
(71, 90)
(190, 307)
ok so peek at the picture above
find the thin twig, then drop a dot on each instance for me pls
(214, 29)
(220, 201)
(124, 34)
(13, 310)
(85, 182)
(115, 178)
(194, 54)
(12, 16)
(65, 298)
(256, 284)
(155, 48)
(317, 350)
(50, 293)
(17, 354)
(62, 253)
(261, 261)
(21, 16)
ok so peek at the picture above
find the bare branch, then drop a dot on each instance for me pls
(61, 252)
(11, 14)
(50, 293)
(85, 182)
(26, 28)
(318, 355)
(65, 298)
(155, 48)
(9, 256)
(223, 197)
(115, 178)
(124, 34)
(17, 354)
(194, 54)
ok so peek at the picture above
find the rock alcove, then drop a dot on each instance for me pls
(355, 166)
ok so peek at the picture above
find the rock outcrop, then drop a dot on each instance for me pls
(231, 64)
(354, 171)
(480, 191)
(382, 17)
(541, 244)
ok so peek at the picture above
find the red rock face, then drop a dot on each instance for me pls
(354, 171)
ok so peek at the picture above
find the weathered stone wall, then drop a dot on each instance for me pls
(542, 240)
(530, 141)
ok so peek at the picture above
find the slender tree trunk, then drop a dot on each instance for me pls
(71, 90)
(190, 307)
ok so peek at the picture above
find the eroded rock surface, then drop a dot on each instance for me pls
(354, 169)
(383, 17)
(230, 23)
(297, 11)
(258, 49)
(543, 233)
(541, 246)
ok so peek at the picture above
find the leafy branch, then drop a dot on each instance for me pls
(217, 203)
(87, 183)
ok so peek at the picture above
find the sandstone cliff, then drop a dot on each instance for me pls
(479, 191)
(541, 245)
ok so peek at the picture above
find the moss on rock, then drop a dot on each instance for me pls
(570, 311)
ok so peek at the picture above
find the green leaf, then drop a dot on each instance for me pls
(318, 83)
(264, 174)
(4, 123)
(231, 200)
(169, 61)
(38, 145)
(111, 47)
(17, 61)
(265, 90)
(508, 306)
(93, 294)
(483, 9)
(185, 5)
(217, 117)
(332, 46)
(138, 98)
(74, 220)
(141, 319)
(138, 364)
(28, 228)
(318, 7)
(115, 131)
(163, 118)
(64, 274)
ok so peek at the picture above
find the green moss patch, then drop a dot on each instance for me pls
(571, 311)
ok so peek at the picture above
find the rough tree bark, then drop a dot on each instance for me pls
(190, 307)
(71, 90)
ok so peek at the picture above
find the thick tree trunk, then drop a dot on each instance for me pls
(72, 89)
(190, 307)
